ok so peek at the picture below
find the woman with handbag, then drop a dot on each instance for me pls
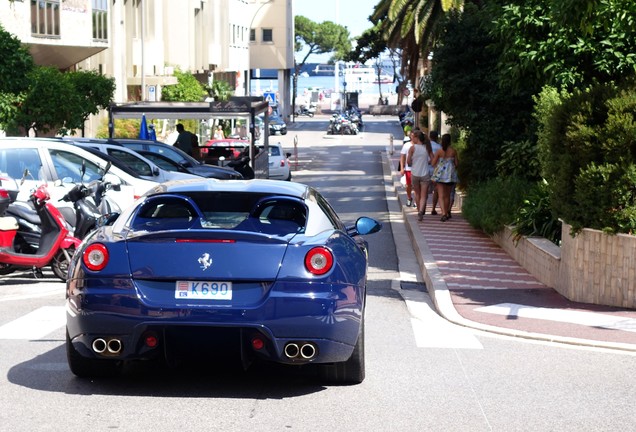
(445, 161)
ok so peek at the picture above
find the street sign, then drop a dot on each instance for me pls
(152, 93)
(270, 97)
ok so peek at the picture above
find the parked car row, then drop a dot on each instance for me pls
(137, 165)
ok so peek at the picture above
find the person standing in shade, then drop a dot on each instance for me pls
(445, 174)
(419, 158)
(405, 169)
(184, 140)
(432, 189)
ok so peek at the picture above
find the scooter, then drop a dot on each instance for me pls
(241, 164)
(89, 203)
(55, 248)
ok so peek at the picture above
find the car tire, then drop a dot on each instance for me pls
(351, 371)
(89, 368)
(283, 133)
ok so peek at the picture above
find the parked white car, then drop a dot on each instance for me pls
(140, 164)
(279, 168)
(49, 159)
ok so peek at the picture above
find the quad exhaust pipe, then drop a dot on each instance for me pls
(294, 350)
(110, 346)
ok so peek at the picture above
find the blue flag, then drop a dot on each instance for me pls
(143, 129)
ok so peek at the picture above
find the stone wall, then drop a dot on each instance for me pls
(592, 267)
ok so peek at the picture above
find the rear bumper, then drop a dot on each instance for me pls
(329, 323)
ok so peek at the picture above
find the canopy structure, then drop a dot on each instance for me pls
(246, 108)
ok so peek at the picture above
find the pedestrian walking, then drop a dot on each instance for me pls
(445, 174)
(419, 158)
(405, 170)
(434, 136)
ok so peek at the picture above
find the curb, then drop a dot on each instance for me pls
(438, 290)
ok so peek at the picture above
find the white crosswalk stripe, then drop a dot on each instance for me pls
(35, 325)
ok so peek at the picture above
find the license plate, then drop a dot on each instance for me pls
(203, 290)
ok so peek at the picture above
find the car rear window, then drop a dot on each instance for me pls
(251, 212)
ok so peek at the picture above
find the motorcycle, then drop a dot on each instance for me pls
(341, 124)
(55, 247)
(304, 110)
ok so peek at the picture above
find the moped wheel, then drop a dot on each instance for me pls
(6, 269)
(61, 262)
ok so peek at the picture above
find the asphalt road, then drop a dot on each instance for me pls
(423, 374)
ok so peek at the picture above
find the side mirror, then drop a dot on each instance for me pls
(364, 225)
(155, 171)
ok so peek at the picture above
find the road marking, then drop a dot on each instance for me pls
(35, 325)
(44, 290)
(431, 330)
(590, 319)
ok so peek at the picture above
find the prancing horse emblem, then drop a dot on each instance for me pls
(205, 260)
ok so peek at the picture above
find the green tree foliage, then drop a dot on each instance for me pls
(187, 89)
(220, 90)
(15, 64)
(465, 84)
(566, 43)
(50, 102)
(318, 38)
(95, 92)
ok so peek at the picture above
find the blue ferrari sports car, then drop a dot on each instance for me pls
(199, 268)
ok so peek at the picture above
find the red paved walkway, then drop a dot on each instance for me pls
(479, 274)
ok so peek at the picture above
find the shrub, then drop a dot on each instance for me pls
(535, 217)
(588, 150)
(493, 204)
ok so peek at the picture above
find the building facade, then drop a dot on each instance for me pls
(141, 42)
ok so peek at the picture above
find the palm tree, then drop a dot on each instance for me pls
(410, 25)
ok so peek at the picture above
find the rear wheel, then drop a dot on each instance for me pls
(61, 262)
(348, 372)
(86, 367)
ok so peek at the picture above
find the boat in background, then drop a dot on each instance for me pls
(325, 70)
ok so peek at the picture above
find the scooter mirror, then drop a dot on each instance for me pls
(112, 179)
(25, 174)
(107, 167)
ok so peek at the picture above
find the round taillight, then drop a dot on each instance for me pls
(95, 257)
(319, 260)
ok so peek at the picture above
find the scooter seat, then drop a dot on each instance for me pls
(8, 223)
(24, 211)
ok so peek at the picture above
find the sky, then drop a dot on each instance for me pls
(352, 14)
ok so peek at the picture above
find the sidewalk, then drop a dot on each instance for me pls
(475, 283)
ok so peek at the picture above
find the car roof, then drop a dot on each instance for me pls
(66, 145)
(84, 145)
(276, 187)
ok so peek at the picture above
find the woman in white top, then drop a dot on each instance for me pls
(419, 157)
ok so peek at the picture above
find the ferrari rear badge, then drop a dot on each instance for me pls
(205, 260)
